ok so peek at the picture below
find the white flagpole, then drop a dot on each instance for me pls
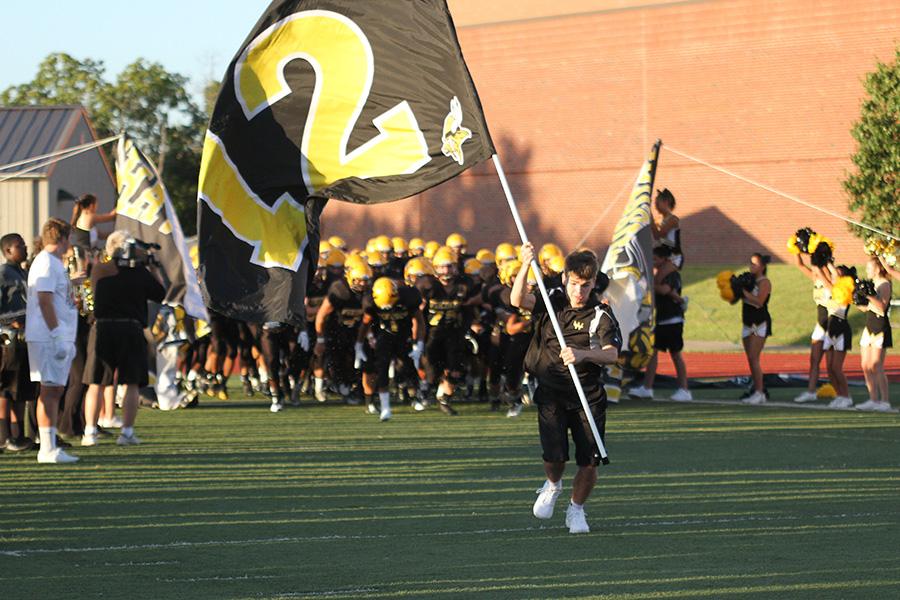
(550, 312)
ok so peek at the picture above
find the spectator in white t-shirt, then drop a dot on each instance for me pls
(51, 321)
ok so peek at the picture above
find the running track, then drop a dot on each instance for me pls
(730, 364)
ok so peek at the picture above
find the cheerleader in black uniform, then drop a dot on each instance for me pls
(821, 295)
(757, 324)
(876, 337)
(838, 340)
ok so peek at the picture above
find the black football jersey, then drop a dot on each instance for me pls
(347, 304)
(396, 320)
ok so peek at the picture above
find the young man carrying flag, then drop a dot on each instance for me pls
(592, 338)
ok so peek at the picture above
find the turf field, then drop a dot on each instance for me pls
(231, 501)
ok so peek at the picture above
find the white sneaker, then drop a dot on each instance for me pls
(874, 406)
(681, 395)
(640, 392)
(114, 423)
(546, 500)
(841, 402)
(418, 406)
(128, 440)
(57, 455)
(89, 439)
(576, 520)
(320, 396)
(385, 415)
(755, 398)
(276, 406)
(515, 410)
(806, 396)
(371, 408)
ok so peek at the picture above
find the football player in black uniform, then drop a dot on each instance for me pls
(592, 339)
(337, 325)
(515, 331)
(330, 269)
(450, 300)
(394, 329)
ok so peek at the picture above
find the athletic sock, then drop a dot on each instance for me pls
(576, 506)
(90, 430)
(385, 399)
(128, 431)
(48, 438)
(556, 485)
(192, 375)
(319, 384)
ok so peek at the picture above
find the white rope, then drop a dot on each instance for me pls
(628, 184)
(57, 153)
(58, 156)
(780, 193)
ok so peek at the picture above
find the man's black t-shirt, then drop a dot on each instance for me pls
(396, 320)
(591, 326)
(347, 304)
(124, 295)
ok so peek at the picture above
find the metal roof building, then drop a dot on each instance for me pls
(27, 199)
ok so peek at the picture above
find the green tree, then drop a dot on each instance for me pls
(62, 79)
(874, 187)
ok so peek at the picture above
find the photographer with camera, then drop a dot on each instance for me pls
(117, 349)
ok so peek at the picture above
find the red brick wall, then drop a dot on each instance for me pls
(766, 89)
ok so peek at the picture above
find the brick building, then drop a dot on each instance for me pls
(575, 97)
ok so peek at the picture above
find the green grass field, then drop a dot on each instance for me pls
(711, 319)
(231, 501)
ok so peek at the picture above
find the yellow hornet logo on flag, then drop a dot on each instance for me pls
(578, 325)
(455, 135)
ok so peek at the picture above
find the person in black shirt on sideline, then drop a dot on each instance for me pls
(593, 339)
(16, 387)
(117, 348)
(668, 333)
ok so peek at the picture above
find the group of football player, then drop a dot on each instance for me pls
(424, 322)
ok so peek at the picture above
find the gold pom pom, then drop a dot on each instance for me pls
(842, 291)
(723, 282)
(792, 245)
(826, 392)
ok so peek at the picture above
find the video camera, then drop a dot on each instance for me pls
(137, 253)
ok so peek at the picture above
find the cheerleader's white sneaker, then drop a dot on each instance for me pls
(806, 396)
(755, 398)
(681, 395)
(841, 402)
(641, 392)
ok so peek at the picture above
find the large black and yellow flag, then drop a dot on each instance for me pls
(327, 99)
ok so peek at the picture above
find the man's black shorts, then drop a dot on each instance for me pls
(116, 346)
(669, 338)
(556, 419)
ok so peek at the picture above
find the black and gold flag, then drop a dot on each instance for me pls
(629, 265)
(364, 102)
